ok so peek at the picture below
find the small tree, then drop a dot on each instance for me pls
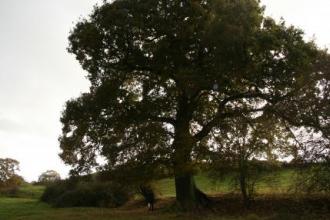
(247, 152)
(49, 176)
(8, 175)
(313, 164)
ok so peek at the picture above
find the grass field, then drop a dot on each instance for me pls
(26, 205)
(282, 183)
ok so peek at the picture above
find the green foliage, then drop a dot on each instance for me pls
(237, 150)
(167, 75)
(85, 194)
(9, 180)
(8, 176)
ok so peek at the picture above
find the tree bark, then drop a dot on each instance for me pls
(245, 196)
(243, 183)
(188, 196)
(185, 189)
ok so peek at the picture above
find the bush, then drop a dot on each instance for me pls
(92, 194)
(55, 190)
(9, 191)
(10, 187)
(12, 182)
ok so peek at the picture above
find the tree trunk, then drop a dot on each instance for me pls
(187, 195)
(243, 187)
(243, 183)
(185, 189)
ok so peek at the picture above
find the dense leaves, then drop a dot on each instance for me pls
(166, 74)
(73, 193)
(8, 173)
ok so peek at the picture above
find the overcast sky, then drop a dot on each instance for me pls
(37, 75)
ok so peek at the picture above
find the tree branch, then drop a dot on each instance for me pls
(221, 116)
(163, 119)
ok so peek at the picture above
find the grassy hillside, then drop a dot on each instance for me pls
(30, 191)
(282, 182)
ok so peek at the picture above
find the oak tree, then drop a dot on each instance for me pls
(165, 74)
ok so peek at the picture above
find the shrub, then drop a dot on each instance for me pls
(54, 190)
(9, 191)
(10, 187)
(92, 194)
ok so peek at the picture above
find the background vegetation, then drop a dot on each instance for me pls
(282, 203)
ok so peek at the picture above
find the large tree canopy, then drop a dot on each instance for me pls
(166, 74)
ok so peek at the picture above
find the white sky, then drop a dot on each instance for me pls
(37, 75)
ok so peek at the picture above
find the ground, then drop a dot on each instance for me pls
(271, 204)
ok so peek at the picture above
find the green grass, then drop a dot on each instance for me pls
(10, 208)
(282, 182)
(31, 209)
(166, 186)
(30, 191)
(26, 205)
